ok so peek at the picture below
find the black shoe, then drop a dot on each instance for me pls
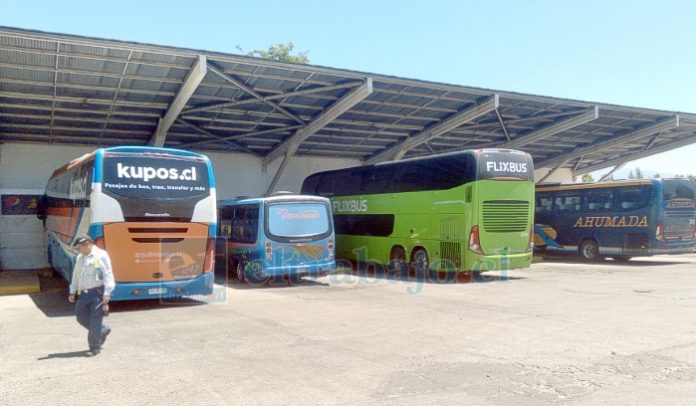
(104, 335)
(93, 352)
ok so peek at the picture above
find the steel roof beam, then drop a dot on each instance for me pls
(611, 172)
(193, 79)
(341, 106)
(400, 148)
(554, 128)
(291, 144)
(240, 136)
(217, 137)
(668, 146)
(663, 125)
(216, 105)
(220, 72)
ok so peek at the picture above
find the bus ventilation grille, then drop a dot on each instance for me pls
(450, 253)
(505, 216)
(687, 212)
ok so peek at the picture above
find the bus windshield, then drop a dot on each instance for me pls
(679, 189)
(298, 219)
(155, 187)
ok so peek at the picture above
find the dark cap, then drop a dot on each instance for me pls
(81, 240)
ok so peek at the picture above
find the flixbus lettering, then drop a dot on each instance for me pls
(520, 167)
(350, 206)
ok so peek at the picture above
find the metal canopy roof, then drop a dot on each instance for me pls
(67, 89)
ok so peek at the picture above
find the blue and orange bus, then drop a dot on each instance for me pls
(288, 235)
(619, 219)
(152, 209)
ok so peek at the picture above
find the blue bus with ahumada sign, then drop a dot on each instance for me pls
(619, 219)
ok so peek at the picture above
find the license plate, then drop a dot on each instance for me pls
(157, 291)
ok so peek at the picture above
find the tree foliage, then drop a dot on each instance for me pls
(635, 174)
(279, 52)
(587, 177)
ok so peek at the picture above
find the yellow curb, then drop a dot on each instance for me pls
(19, 283)
(537, 258)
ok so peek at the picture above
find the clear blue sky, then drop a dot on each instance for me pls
(637, 53)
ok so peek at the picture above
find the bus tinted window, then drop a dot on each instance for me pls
(245, 223)
(225, 217)
(378, 225)
(599, 199)
(679, 189)
(414, 175)
(154, 176)
(632, 197)
(567, 201)
(298, 219)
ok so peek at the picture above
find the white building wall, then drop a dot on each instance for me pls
(563, 175)
(25, 169)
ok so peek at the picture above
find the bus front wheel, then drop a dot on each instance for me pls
(589, 249)
(419, 263)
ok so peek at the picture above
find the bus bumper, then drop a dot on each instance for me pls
(498, 262)
(200, 286)
(315, 268)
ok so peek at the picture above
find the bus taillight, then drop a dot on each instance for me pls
(660, 232)
(474, 241)
(530, 247)
(209, 255)
(99, 242)
(269, 250)
(331, 248)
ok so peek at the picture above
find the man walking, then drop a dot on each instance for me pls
(93, 282)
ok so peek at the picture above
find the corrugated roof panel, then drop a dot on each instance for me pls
(123, 88)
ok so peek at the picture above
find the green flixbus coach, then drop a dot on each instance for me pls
(468, 210)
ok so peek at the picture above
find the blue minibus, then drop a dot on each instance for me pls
(287, 235)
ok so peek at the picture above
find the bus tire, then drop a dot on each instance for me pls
(239, 270)
(621, 258)
(397, 260)
(420, 265)
(589, 249)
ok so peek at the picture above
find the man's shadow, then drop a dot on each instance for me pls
(72, 354)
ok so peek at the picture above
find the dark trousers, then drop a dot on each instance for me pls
(91, 317)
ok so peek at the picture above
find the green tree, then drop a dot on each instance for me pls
(279, 52)
(587, 177)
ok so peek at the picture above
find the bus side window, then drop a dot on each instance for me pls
(599, 200)
(632, 197)
(245, 223)
(225, 220)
